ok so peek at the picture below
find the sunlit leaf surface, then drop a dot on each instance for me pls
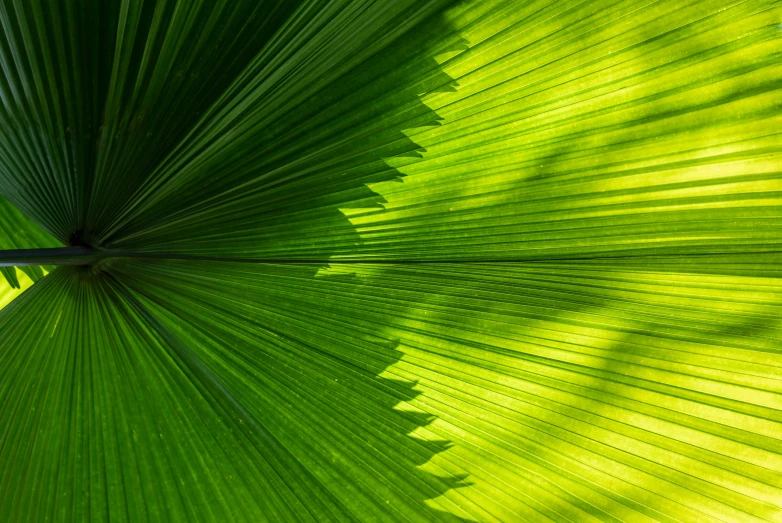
(409, 260)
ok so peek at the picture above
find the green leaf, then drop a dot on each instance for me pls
(347, 260)
(564, 131)
(9, 273)
(19, 232)
(12, 285)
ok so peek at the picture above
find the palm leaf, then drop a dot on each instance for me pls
(12, 286)
(334, 260)
(19, 232)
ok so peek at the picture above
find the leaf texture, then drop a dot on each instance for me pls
(19, 232)
(477, 260)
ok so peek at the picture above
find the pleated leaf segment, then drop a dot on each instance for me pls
(410, 260)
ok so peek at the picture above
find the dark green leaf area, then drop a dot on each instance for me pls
(168, 395)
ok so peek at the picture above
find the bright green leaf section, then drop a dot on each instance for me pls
(598, 391)
(9, 291)
(128, 425)
(174, 394)
(625, 154)
(554, 130)
(582, 129)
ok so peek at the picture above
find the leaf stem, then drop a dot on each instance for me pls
(56, 256)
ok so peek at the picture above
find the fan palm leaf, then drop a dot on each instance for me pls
(350, 260)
